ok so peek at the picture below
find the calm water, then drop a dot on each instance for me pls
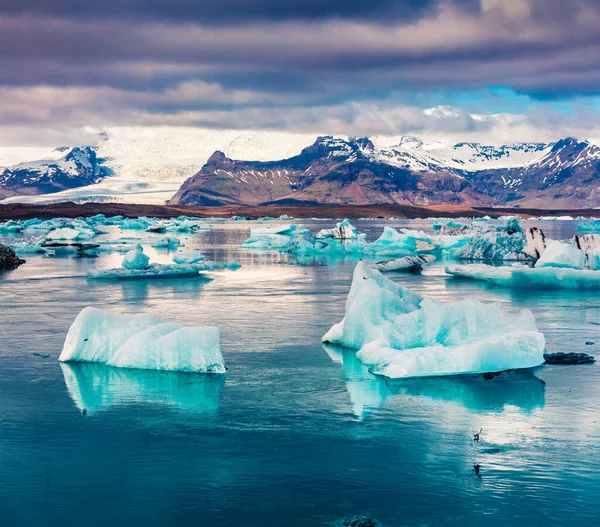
(294, 434)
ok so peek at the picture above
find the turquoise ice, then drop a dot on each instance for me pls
(142, 341)
(400, 334)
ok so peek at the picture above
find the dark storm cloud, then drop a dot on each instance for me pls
(233, 11)
(135, 60)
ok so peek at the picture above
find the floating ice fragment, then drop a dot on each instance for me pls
(531, 278)
(135, 259)
(400, 335)
(143, 342)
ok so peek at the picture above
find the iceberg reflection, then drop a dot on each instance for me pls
(520, 389)
(95, 387)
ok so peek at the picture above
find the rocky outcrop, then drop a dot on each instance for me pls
(8, 259)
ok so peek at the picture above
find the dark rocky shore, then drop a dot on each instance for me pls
(73, 210)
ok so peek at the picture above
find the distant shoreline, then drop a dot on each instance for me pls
(73, 210)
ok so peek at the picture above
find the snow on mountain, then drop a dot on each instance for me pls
(149, 164)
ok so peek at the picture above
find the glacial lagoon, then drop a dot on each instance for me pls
(295, 433)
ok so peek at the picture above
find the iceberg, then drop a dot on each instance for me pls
(135, 224)
(342, 231)
(142, 342)
(411, 264)
(591, 227)
(156, 270)
(563, 255)
(401, 335)
(65, 233)
(392, 242)
(531, 278)
(135, 259)
(188, 257)
(166, 243)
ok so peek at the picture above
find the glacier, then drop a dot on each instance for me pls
(142, 341)
(400, 334)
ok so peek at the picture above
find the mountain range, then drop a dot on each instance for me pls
(145, 167)
(356, 171)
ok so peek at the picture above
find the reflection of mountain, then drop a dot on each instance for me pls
(367, 391)
(97, 387)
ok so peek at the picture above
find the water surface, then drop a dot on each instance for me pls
(294, 434)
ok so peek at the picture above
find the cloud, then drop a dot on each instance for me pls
(347, 65)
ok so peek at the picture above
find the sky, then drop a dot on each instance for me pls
(502, 70)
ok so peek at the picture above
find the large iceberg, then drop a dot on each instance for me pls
(530, 278)
(400, 334)
(142, 342)
(504, 243)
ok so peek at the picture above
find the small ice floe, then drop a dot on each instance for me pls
(155, 270)
(408, 264)
(342, 231)
(143, 342)
(544, 277)
(188, 257)
(400, 334)
(167, 242)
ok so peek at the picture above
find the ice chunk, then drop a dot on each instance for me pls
(136, 224)
(401, 335)
(152, 271)
(494, 244)
(535, 243)
(166, 243)
(65, 233)
(156, 270)
(135, 259)
(342, 231)
(531, 278)
(143, 342)
(592, 226)
(559, 254)
(412, 264)
(392, 242)
(189, 257)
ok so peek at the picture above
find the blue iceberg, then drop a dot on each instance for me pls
(401, 335)
(142, 342)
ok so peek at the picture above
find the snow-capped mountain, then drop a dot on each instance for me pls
(76, 167)
(152, 165)
(357, 171)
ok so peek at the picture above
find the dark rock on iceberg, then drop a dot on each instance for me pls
(568, 358)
